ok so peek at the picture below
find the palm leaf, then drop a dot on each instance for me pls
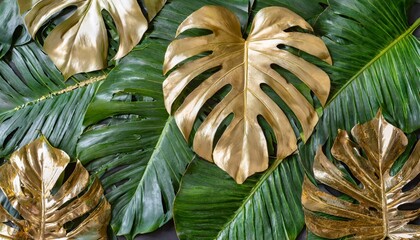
(210, 205)
(34, 99)
(375, 65)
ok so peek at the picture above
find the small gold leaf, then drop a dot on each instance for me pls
(375, 214)
(28, 180)
(80, 43)
(245, 66)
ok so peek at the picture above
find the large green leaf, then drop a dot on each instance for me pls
(34, 100)
(13, 29)
(130, 141)
(133, 145)
(375, 64)
(210, 205)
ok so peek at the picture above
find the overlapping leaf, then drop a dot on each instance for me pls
(375, 65)
(377, 212)
(210, 205)
(13, 29)
(28, 180)
(130, 141)
(245, 67)
(34, 98)
(80, 43)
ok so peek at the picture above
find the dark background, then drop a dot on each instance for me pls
(167, 232)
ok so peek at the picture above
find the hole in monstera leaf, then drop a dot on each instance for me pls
(295, 81)
(221, 129)
(296, 29)
(63, 177)
(195, 32)
(55, 20)
(4, 201)
(283, 106)
(412, 184)
(349, 176)
(193, 84)
(113, 37)
(207, 108)
(399, 163)
(327, 189)
(410, 206)
(71, 225)
(270, 137)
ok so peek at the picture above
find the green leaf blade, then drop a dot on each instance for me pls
(133, 145)
(210, 205)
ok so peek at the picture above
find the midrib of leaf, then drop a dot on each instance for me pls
(409, 31)
(251, 193)
(63, 91)
(151, 162)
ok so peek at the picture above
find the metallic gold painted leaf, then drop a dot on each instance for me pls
(245, 66)
(28, 180)
(80, 43)
(376, 213)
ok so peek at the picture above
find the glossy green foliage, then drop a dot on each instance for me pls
(31, 102)
(132, 144)
(210, 205)
(118, 127)
(12, 30)
(375, 65)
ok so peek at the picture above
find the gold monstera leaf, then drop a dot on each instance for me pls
(80, 43)
(32, 183)
(245, 65)
(376, 212)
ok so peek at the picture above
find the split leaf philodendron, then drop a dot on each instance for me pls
(80, 43)
(377, 195)
(32, 182)
(245, 66)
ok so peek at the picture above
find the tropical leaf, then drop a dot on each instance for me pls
(129, 139)
(34, 99)
(130, 135)
(13, 27)
(245, 65)
(210, 205)
(28, 180)
(309, 10)
(378, 212)
(80, 43)
(375, 65)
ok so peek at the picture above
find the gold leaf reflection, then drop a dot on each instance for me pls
(374, 212)
(28, 180)
(245, 66)
(80, 43)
